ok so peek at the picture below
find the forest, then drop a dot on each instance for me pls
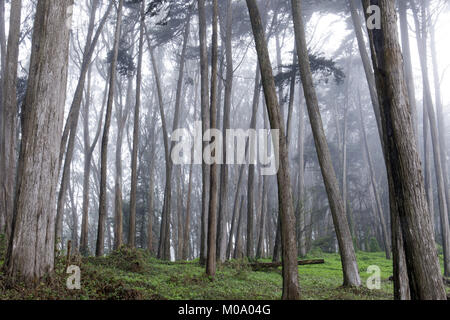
(224, 150)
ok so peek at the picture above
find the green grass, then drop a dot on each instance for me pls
(133, 274)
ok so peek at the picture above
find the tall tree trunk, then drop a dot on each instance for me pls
(88, 152)
(9, 116)
(213, 191)
(406, 50)
(402, 158)
(438, 162)
(373, 181)
(301, 212)
(205, 126)
(102, 212)
(223, 208)
(70, 130)
(132, 222)
(30, 254)
(348, 257)
(290, 268)
(401, 287)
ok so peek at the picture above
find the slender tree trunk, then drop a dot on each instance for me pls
(205, 126)
(88, 152)
(402, 158)
(30, 254)
(438, 162)
(70, 130)
(9, 116)
(290, 268)
(223, 208)
(348, 257)
(132, 222)
(102, 212)
(373, 181)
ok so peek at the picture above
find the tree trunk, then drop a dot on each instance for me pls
(223, 208)
(9, 116)
(348, 257)
(70, 130)
(402, 158)
(290, 269)
(102, 212)
(132, 222)
(30, 254)
(205, 126)
(438, 162)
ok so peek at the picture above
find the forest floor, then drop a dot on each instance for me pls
(134, 275)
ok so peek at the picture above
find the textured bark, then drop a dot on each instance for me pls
(213, 191)
(102, 212)
(205, 125)
(402, 159)
(9, 115)
(132, 222)
(238, 244)
(348, 257)
(30, 254)
(290, 269)
(301, 212)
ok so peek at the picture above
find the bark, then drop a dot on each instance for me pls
(30, 254)
(290, 269)
(301, 214)
(402, 159)
(205, 126)
(9, 116)
(132, 222)
(238, 244)
(180, 193)
(102, 212)
(348, 257)
(213, 191)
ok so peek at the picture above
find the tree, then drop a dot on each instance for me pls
(402, 158)
(347, 252)
(9, 116)
(30, 254)
(132, 231)
(102, 211)
(290, 269)
(213, 189)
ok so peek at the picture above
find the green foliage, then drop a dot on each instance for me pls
(113, 278)
(374, 245)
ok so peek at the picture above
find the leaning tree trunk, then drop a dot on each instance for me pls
(402, 158)
(102, 211)
(348, 257)
(290, 268)
(30, 254)
(9, 116)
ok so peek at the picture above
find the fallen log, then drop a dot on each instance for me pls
(257, 266)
